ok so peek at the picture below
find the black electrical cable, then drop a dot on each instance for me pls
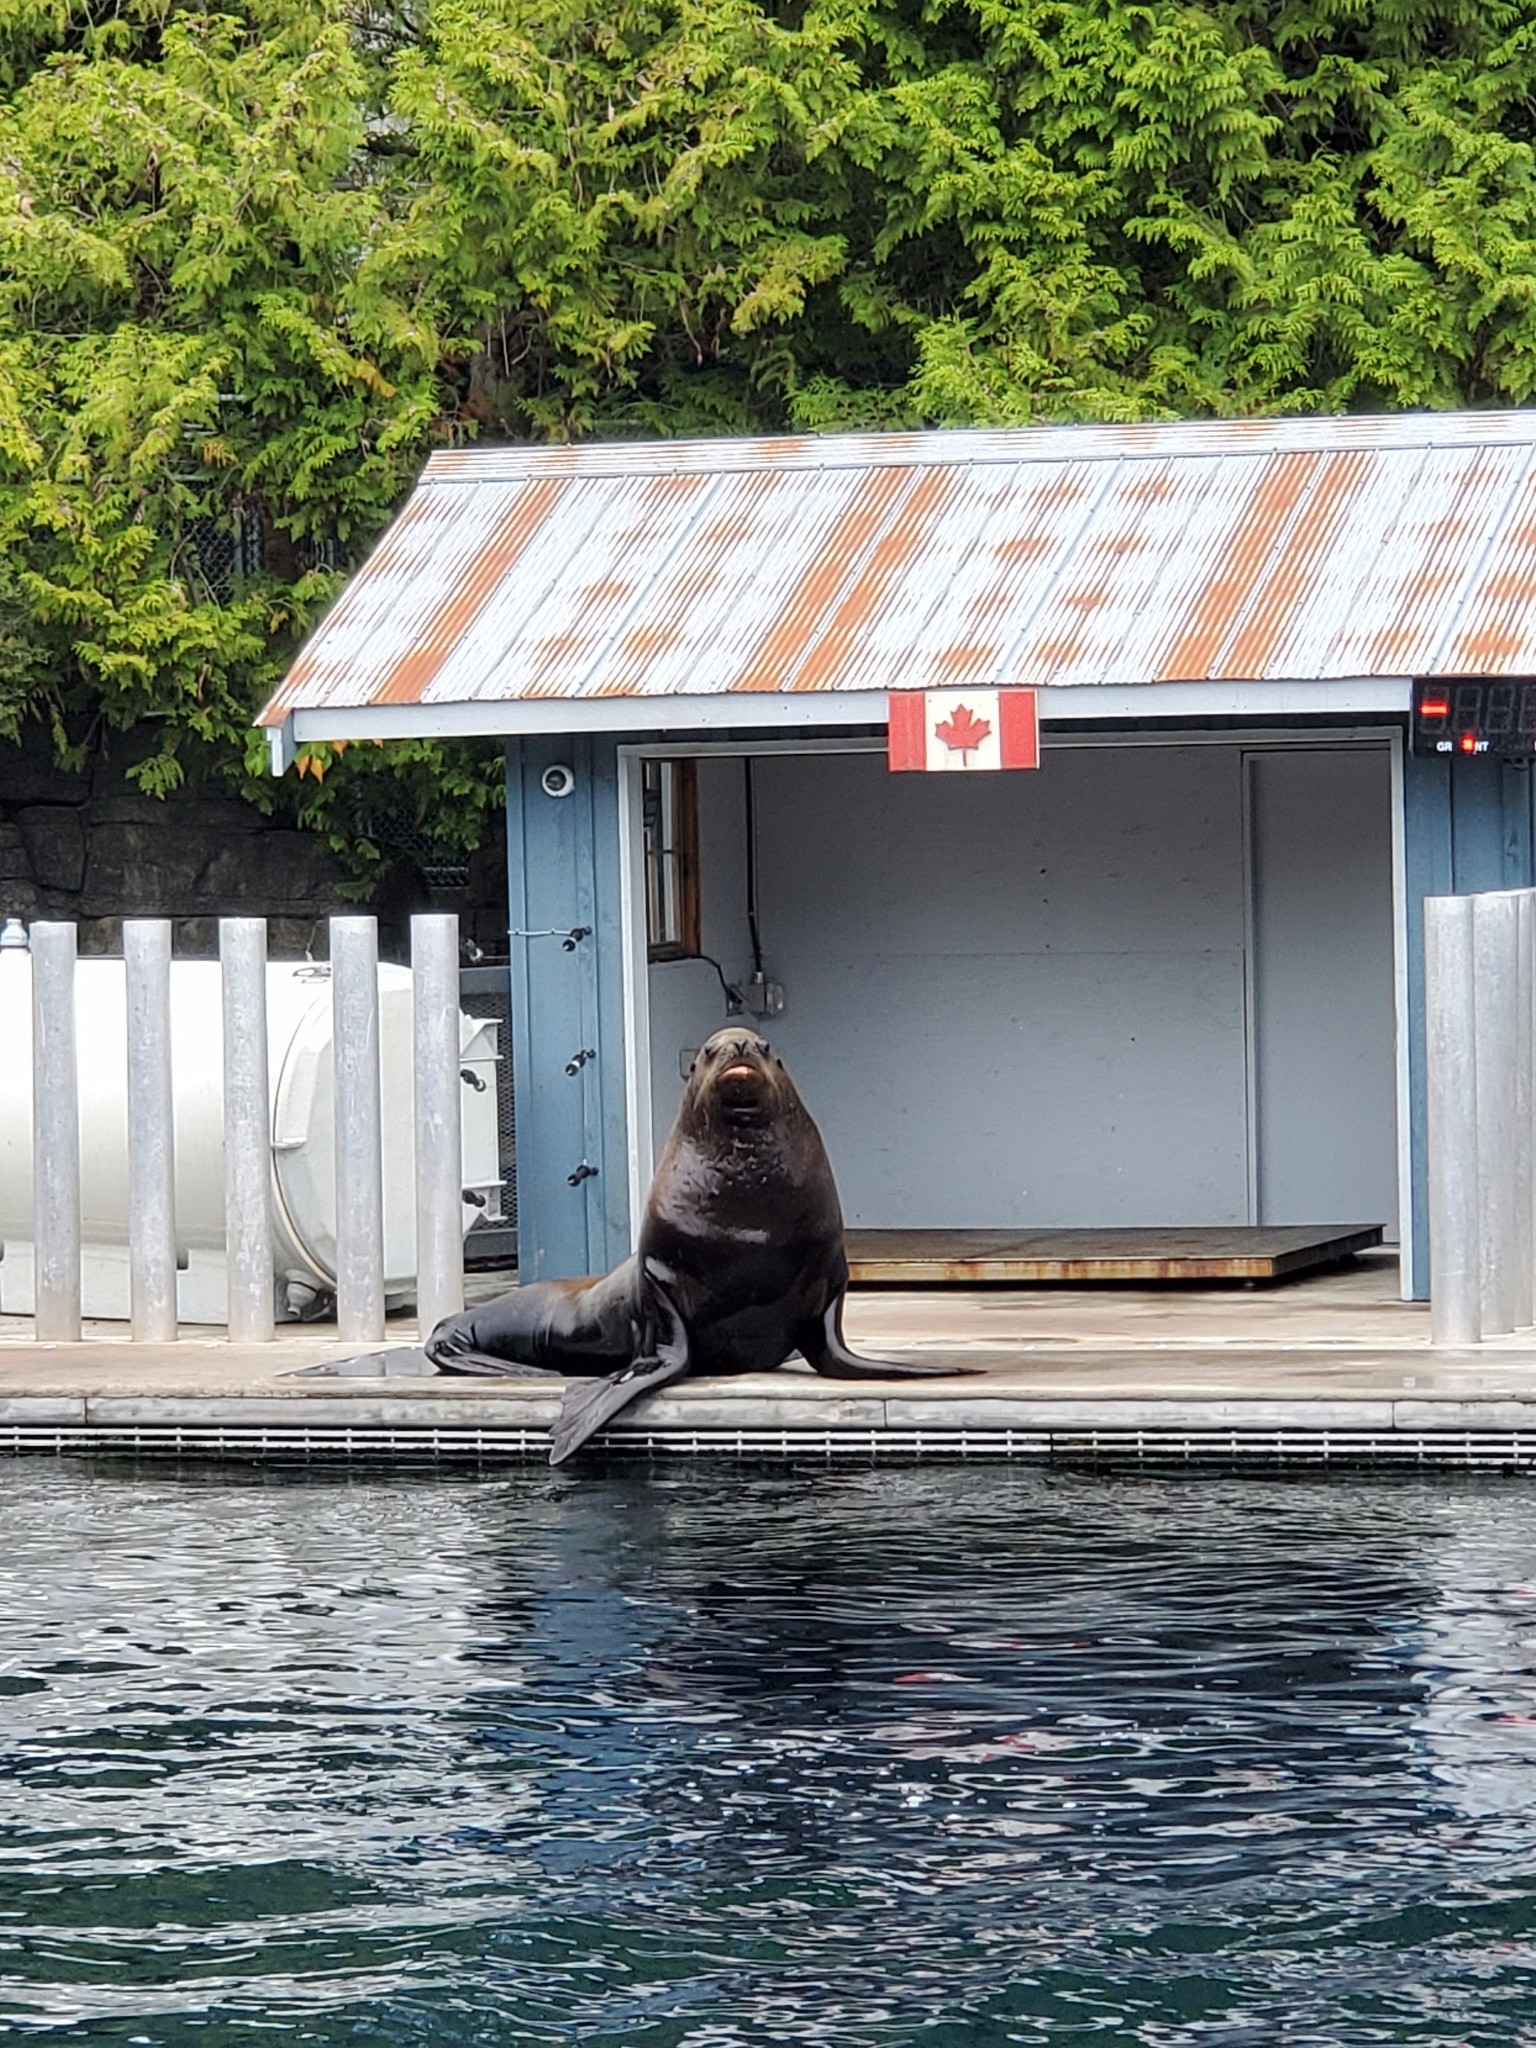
(732, 992)
(757, 944)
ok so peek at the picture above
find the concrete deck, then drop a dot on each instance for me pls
(1332, 1368)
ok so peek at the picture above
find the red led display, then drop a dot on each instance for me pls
(1474, 718)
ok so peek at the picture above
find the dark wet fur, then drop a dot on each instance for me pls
(740, 1263)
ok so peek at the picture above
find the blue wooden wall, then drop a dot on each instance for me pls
(563, 873)
(1467, 825)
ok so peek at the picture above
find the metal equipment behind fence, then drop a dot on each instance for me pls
(485, 991)
(247, 1127)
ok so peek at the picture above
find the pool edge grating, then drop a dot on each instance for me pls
(431, 1444)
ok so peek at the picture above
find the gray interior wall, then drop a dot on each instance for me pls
(1022, 999)
(1010, 1000)
(1325, 1092)
(1016, 999)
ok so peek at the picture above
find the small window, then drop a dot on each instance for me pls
(671, 859)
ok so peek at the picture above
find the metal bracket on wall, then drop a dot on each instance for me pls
(578, 1060)
(583, 1172)
(569, 938)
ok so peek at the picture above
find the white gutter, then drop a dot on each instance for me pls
(798, 711)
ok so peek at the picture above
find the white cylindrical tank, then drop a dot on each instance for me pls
(303, 1163)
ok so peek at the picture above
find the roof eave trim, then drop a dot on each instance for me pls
(796, 712)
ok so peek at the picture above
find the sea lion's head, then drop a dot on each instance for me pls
(737, 1079)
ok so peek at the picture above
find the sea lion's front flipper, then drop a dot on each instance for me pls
(824, 1348)
(591, 1403)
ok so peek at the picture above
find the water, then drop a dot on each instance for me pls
(691, 1757)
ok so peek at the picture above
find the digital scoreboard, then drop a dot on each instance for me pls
(1474, 718)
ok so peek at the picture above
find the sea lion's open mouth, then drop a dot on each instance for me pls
(743, 1070)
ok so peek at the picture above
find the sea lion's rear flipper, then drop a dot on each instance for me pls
(451, 1348)
(824, 1348)
(481, 1365)
(402, 1361)
(549, 1328)
(591, 1403)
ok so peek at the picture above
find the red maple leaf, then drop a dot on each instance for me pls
(962, 731)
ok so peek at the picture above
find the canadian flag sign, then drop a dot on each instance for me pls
(963, 729)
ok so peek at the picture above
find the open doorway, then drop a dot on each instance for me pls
(1152, 985)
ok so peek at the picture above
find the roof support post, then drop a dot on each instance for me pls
(567, 1019)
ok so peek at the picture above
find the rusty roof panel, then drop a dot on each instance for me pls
(1336, 490)
(1138, 573)
(748, 592)
(1240, 549)
(429, 551)
(1312, 598)
(1377, 603)
(561, 607)
(442, 636)
(1490, 632)
(866, 502)
(992, 547)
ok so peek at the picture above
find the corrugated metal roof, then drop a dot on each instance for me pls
(1252, 550)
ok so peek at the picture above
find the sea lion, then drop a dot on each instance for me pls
(740, 1262)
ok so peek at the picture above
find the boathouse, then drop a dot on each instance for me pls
(1171, 977)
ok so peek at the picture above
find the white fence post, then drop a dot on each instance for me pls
(1524, 1279)
(1451, 1088)
(439, 1140)
(1496, 966)
(151, 1131)
(359, 1130)
(247, 1130)
(55, 1136)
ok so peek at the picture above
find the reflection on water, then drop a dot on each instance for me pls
(698, 1758)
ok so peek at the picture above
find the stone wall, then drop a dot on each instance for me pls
(91, 848)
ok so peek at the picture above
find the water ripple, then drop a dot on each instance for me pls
(702, 1758)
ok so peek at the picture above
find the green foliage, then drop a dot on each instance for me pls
(254, 264)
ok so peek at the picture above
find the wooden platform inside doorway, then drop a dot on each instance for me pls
(1031, 1258)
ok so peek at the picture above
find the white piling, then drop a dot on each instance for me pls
(1450, 1076)
(1525, 1113)
(439, 1142)
(359, 1130)
(247, 1130)
(1496, 968)
(151, 1131)
(55, 1136)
